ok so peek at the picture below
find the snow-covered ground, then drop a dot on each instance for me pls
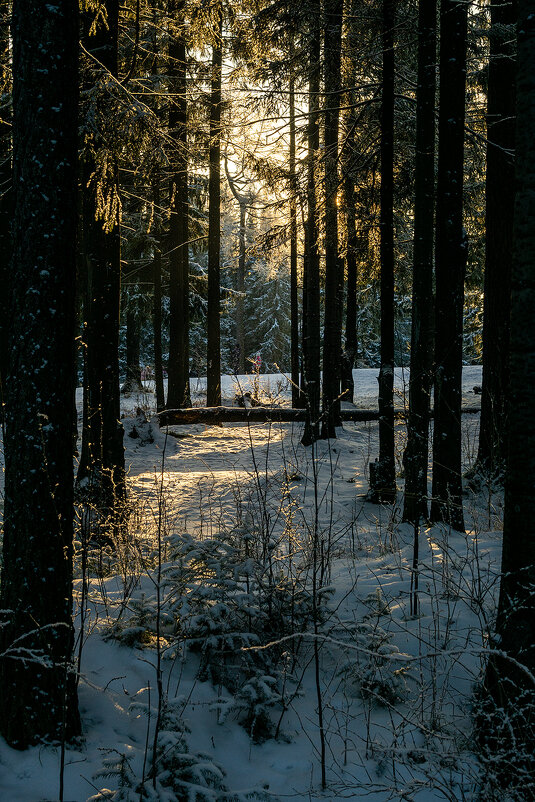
(393, 689)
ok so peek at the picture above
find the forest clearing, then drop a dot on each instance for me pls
(395, 687)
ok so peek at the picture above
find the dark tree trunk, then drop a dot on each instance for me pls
(417, 453)
(38, 699)
(352, 242)
(240, 287)
(450, 267)
(157, 304)
(500, 191)
(133, 349)
(6, 198)
(384, 485)
(298, 400)
(512, 688)
(178, 392)
(240, 273)
(311, 282)
(101, 471)
(213, 385)
(350, 352)
(334, 284)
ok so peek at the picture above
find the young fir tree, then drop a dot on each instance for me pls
(38, 699)
(450, 268)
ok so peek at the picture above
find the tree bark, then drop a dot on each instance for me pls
(417, 453)
(218, 415)
(101, 471)
(499, 195)
(511, 688)
(334, 284)
(157, 302)
(450, 267)
(133, 348)
(311, 283)
(385, 474)
(213, 383)
(38, 699)
(6, 198)
(178, 392)
(298, 400)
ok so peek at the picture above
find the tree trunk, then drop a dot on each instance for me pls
(133, 348)
(38, 699)
(450, 267)
(213, 383)
(178, 392)
(511, 687)
(385, 473)
(298, 400)
(417, 453)
(218, 415)
(101, 471)
(6, 199)
(311, 283)
(499, 192)
(334, 285)
(157, 303)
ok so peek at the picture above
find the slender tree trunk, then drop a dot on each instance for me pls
(384, 484)
(38, 699)
(311, 331)
(178, 393)
(511, 687)
(240, 287)
(157, 302)
(101, 471)
(133, 347)
(213, 388)
(334, 285)
(352, 243)
(6, 198)
(298, 399)
(499, 189)
(450, 267)
(417, 453)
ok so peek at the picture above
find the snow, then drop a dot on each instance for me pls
(204, 480)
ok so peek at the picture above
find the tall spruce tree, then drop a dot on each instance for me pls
(178, 394)
(417, 452)
(311, 264)
(334, 279)
(38, 699)
(384, 478)
(509, 678)
(499, 196)
(6, 195)
(101, 471)
(450, 268)
(213, 381)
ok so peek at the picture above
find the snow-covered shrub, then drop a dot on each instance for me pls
(372, 668)
(116, 766)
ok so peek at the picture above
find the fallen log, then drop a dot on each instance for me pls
(215, 416)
